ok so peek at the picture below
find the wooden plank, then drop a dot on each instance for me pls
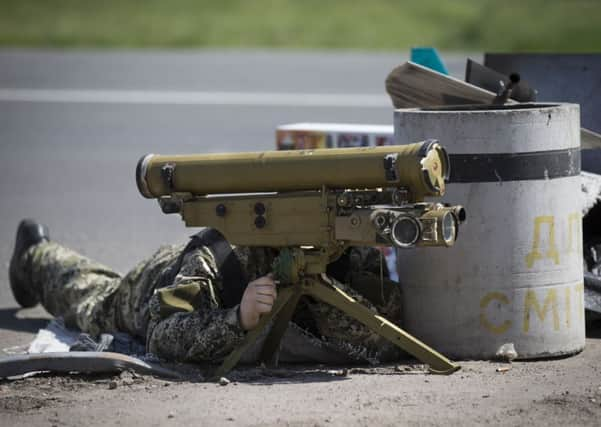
(412, 86)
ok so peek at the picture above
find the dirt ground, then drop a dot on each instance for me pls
(552, 392)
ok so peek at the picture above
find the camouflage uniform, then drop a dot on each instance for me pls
(185, 320)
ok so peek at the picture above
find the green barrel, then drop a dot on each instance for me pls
(421, 167)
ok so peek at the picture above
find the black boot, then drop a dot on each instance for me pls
(29, 233)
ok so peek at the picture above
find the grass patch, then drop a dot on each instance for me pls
(511, 25)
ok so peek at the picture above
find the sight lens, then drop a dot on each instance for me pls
(405, 232)
(449, 228)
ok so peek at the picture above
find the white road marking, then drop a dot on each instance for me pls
(258, 99)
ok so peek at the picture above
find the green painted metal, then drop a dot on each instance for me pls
(320, 287)
(251, 337)
(422, 167)
(272, 342)
(320, 202)
(334, 296)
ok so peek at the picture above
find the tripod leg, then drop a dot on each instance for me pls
(272, 342)
(251, 337)
(381, 326)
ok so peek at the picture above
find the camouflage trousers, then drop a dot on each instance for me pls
(95, 299)
(91, 296)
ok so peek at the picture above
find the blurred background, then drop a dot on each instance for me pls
(88, 87)
(511, 25)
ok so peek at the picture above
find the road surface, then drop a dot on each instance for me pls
(72, 127)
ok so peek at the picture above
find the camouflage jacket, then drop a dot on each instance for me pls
(187, 320)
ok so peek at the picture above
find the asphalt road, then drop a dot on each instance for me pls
(73, 125)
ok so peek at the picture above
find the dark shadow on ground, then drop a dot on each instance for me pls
(318, 373)
(289, 373)
(10, 321)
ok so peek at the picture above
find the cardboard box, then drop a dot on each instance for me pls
(306, 136)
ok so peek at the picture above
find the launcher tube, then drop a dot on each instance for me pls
(421, 167)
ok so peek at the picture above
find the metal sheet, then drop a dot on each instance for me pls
(561, 77)
(489, 79)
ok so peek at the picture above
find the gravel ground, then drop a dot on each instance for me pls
(61, 166)
(553, 392)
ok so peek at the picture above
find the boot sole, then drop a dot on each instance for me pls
(24, 299)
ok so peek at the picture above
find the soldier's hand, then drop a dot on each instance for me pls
(258, 299)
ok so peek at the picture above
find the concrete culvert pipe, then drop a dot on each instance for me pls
(515, 275)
